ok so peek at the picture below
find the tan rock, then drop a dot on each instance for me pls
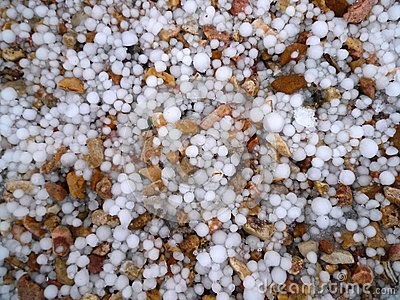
(289, 84)
(72, 84)
(261, 229)
(338, 257)
(28, 289)
(215, 116)
(12, 54)
(62, 240)
(76, 185)
(56, 191)
(392, 194)
(95, 152)
(61, 272)
(239, 267)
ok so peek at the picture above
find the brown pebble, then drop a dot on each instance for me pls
(213, 34)
(359, 10)
(141, 221)
(326, 246)
(363, 274)
(286, 55)
(72, 84)
(76, 185)
(368, 87)
(289, 84)
(28, 289)
(95, 265)
(339, 7)
(33, 226)
(238, 6)
(190, 243)
(300, 229)
(56, 191)
(344, 195)
(62, 240)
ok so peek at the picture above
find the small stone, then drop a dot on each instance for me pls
(363, 274)
(339, 7)
(33, 226)
(300, 229)
(347, 239)
(167, 34)
(239, 267)
(90, 297)
(96, 152)
(261, 229)
(76, 185)
(321, 187)
(153, 173)
(379, 239)
(165, 76)
(62, 240)
(174, 3)
(95, 265)
(264, 27)
(390, 216)
(130, 270)
(158, 120)
(370, 190)
(297, 265)
(355, 47)
(153, 188)
(69, 40)
(215, 116)
(289, 84)
(359, 10)
(116, 79)
(61, 272)
(72, 84)
(28, 289)
(56, 191)
(344, 195)
(12, 54)
(326, 246)
(332, 62)
(190, 243)
(286, 55)
(187, 126)
(394, 252)
(308, 246)
(103, 188)
(238, 6)
(102, 250)
(251, 86)
(51, 221)
(281, 146)
(368, 87)
(100, 217)
(54, 163)
(252, 143)
(141, 221)
(149, 150)
(338, 257)
(392, 194)
(212, 33)
(153, 294)
(14, 185)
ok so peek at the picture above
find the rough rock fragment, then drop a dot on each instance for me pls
(56, 191)
(102, 249)
(394, 252)
(76, 185)
(28, 289)
(265, 28)
(297, 265)
(379, 239)
(153, 173)
(168, 78)
(167, 34)
(338, 257)
(390, 216)
(54, 163)
(239, 267)
(153, 188)
(14, 185)
(96, 152)
(51, 221)
(238, 6)
(103, 188)
(95, 265)
(190, 243)
(355, 47)
(130, 270)
(363, 274)
(344, 195)
(62, 240)
(251, 86)
(286, 56)
(158, 120)
(289, 84)
(339, 7)
(33, 226)
(212, 33)
(392, 194)
(358, 11)
(72, 84)
(326, 246)
(220, 112)
(187, 126)
(368, 87)
(149, 150)
(281, 146)
(308, 246)
(261, 229)
(141, 221)
(12, 54)
(61, 272)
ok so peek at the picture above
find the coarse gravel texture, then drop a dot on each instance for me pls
(183, 149)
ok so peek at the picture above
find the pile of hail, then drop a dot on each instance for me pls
(199, 149)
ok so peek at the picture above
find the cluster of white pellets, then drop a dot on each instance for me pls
(198, 149)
